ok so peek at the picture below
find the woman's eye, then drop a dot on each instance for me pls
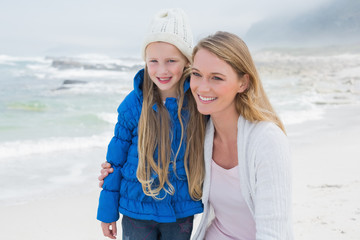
(171, 61)
(217, 78)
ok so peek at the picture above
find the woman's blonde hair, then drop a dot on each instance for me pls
(253, 104)
(155, 136)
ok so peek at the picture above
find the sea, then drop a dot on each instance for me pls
(57, 114)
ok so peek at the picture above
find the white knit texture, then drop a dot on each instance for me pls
(171, 26)
(265, 178)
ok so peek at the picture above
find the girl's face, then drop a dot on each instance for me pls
(165, 65)
(215, 84)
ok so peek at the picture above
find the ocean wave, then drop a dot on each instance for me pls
(91, 62)
(54, 144)
(108, 117)
(93, 87)
(81, 67)
(12, 60)
(33, 106)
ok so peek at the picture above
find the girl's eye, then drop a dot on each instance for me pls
(171, 61)
(153, 61)
(195, 74)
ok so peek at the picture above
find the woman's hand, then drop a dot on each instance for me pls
(106, 169)
(109, 229)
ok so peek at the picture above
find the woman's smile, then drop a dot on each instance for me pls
(205, 100)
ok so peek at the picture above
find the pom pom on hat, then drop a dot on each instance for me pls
(171, 26)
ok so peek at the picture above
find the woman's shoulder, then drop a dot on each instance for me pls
(266, 143)
(263, 133)
(269, 129)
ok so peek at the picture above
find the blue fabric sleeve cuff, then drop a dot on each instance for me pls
(108, 210)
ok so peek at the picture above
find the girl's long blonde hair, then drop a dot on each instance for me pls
(253, 104)
(155, 135)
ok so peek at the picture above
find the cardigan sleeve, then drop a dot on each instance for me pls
(272, 198)
(116, 155)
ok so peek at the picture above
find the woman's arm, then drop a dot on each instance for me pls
(272, 198)
(105, 170)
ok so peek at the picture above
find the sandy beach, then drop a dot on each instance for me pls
(326, 175)
(325, 155)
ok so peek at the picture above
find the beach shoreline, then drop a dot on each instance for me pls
(326, 182)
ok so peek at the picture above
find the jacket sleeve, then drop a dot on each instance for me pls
(116, 155)
(272, 200)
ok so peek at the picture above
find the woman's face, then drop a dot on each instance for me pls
(214, 84)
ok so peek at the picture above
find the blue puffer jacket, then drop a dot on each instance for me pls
(122, 192)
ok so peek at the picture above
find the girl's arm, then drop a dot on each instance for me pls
(109, 229)
(108, 210)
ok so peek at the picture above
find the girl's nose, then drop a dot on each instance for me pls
(163, 69)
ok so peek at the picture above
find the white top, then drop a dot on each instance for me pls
(233, 219)
(265, 178)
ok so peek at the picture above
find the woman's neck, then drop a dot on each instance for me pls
(225, 126)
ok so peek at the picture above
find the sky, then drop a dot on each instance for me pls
(116, 27)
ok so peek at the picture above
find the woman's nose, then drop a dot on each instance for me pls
(203, 85)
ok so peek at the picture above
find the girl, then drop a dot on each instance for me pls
(157, 170)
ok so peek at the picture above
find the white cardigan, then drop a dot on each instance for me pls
(265, 178)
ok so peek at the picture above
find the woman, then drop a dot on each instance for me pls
(247, 185)
(247, 165)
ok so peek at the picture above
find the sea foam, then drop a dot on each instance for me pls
(20, 148)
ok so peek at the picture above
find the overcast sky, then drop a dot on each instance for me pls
(117, 27)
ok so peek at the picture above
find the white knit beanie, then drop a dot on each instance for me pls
(171, 26)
